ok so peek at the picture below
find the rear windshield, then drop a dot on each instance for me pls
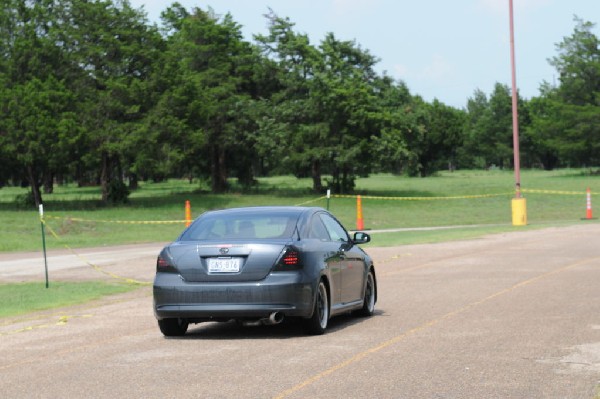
(242, 225)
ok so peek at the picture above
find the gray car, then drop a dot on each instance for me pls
(259, 265)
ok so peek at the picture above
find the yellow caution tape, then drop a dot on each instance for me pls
(533, 191)
(132, 281)
(118, 221)
(93, 266)
(423, 198)
(311, 201)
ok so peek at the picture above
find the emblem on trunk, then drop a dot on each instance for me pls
(224, 251)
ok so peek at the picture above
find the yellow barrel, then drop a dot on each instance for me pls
(519, 212)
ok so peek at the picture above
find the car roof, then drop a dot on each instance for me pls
(268, 209)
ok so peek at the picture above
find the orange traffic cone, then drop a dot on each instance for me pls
(188, 213)
(588, 212)
(360, 225)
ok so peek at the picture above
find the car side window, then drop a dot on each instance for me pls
(318, 230)
(335, 230)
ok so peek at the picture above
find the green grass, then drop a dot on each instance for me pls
(20, 228)
(22, 298)
(164, 201)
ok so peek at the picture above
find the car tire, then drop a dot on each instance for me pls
(317, 324)
(175, 327)
(370, 297)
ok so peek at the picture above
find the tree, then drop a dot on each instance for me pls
(444, 135)
(291, 114)
(578, 65)
(36, 121)
(565, 134)
(36, 104)
(212, 91)
(113, 48)
(397, 122)
(344, 92)
(489, 131)
(497, 138)
(565, 119)
(325, 108)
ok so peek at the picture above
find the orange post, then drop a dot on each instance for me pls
(588, 213)
(188, 213)
(359, 214)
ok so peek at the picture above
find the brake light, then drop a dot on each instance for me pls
(290, 260)
(163, 265)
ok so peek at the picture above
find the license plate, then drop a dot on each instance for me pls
(224, 265)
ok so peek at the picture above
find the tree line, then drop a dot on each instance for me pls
(92, 92)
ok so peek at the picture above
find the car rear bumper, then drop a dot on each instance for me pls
(286, 293)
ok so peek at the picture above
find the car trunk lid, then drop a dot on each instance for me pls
(225, 262)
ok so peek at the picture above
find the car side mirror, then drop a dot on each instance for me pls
(361, 238)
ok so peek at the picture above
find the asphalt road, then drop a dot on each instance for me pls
(506, 316)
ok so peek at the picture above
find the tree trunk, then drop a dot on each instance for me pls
(35, 185)
(316, 176)
(79, 175)
(48, 182)
(218, 169)
(116, 161)
(133, 181)
(105, 176)
(335, 180)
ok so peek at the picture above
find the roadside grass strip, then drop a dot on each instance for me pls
(22, 298)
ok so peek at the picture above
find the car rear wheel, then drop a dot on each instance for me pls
(173, 327)
(370, 296)
(317, 324)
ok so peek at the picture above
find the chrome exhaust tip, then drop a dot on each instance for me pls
(275, 318)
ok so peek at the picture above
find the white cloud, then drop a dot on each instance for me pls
(438, 69)
(401, 71)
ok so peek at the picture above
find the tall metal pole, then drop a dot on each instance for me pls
(518, 204)
(515, 114)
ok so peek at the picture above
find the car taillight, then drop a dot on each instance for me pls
(163, 265)
(290, 260)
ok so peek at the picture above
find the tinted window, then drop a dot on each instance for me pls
(335, 230)
(317, 230)
(241, 225)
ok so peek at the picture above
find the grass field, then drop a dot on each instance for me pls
(460, 198)
(470, 204)
(24, 298)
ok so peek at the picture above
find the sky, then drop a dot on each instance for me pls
(440, 49)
